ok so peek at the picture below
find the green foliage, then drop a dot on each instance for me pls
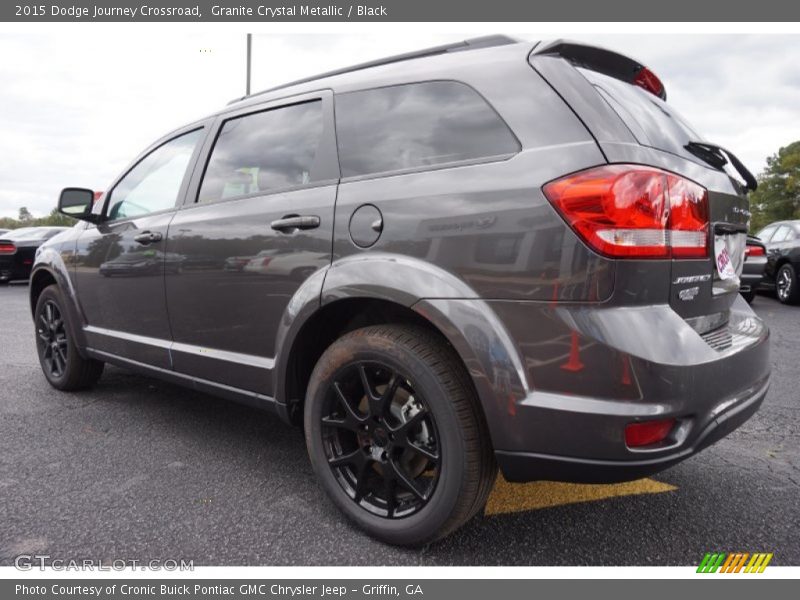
(26, 219)
(778, 194)
(25, 215)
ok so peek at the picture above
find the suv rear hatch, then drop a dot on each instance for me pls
(623, 104)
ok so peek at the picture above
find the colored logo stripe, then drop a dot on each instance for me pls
(734, 562)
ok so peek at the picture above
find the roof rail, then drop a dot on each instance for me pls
(488, 41)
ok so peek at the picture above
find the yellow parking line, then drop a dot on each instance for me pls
(518, 497)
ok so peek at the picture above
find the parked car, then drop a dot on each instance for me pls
(4, 231)
(530, 261)
(18, 248)
(755, 261)
(782, 241)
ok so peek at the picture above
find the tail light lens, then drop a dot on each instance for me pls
(630, 211)
(647, 432)
(754, 251)
(7, 248)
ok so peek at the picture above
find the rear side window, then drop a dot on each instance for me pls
(652, 121)
(766, 233)
(264, 151)
(415, 126)
(783, 234)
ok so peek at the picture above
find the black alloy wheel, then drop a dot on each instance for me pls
(786, 285)
(380, 439)
(52, 339)
(61, 361)
(396, 434)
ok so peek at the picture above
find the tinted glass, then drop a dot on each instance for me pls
(652, 121)
(155, 182)
(23, 232)
(33, 233)
(765, 233)
(782, 234)
(417, 125)
(264, 151)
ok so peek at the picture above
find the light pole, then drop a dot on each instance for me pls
(249, 61)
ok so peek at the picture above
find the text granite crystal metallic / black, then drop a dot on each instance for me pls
(493, 253)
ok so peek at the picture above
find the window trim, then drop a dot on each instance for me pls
(199, 126)
(425, 168)
(467, 162)
(330, 165)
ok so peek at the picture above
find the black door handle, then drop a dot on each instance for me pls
(148, 237)
(291, 222)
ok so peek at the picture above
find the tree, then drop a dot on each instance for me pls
(56, 219)
(25, 215)
(778, 193)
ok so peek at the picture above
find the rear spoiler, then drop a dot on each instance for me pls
(606, 62)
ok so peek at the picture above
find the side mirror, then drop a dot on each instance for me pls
(77, 203)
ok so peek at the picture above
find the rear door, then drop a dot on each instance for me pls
(120, 262)
(257, 223)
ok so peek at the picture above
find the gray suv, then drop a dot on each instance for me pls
(491, 253)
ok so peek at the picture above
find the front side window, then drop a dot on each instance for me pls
(154, 183)
(415, 126)
(265, 151)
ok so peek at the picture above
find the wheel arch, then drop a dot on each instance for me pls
(49, 270)
(382, 290)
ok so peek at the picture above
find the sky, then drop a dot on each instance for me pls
(76, 109)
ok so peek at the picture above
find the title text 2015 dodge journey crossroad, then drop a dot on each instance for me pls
(489, 253)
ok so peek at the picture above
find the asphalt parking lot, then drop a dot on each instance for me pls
(140, 469)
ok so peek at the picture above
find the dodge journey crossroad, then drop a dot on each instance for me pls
(490, 254)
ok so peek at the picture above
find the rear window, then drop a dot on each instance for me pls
(31, 233)
(652, 121)
(415, 126)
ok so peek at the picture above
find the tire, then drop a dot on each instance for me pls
(786, 285)
(749, 296)
(421, 407)
(62, 365)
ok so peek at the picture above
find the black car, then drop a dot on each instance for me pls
(18, 250)
(489, 254)
(782, 241)
(755, 261)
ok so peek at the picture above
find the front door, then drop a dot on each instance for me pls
(256, 225)
(120, 265)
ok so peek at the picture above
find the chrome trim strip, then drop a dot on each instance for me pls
(223, 355)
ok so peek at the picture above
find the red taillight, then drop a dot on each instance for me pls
(754, 251)
(646, 79)
(630, 211)
(647, 432)
(7, 248)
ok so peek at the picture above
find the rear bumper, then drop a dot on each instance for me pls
(525, 466)
(593, 370)
(13, 267)
(559, 382)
